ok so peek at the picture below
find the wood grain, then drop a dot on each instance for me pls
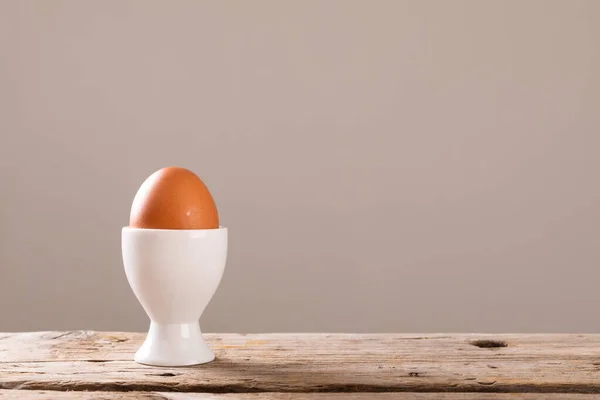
(304, 363)
(51, 395)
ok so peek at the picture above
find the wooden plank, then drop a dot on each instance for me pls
(99, 361)
(51, 395)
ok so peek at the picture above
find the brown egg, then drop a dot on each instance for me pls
(173, 198)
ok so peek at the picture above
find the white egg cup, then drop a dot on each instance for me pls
(174, 275)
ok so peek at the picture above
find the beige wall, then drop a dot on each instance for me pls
(381, 165)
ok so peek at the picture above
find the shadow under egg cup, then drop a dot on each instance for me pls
(174, 275)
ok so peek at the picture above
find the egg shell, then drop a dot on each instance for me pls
(173, 198)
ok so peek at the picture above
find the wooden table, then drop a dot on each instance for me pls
(84, 364)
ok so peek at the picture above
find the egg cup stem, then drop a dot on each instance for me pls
(171, 345)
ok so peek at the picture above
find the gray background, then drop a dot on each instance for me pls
(381, 165)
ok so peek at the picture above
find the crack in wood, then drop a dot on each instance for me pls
(489, 344)
(62, 335)
(483, 387)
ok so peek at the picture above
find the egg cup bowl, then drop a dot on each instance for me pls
(174, 275)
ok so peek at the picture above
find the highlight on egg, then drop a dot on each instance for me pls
(173, 198)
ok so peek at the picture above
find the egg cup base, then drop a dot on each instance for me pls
(174, 345)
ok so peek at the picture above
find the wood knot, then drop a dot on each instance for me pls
(414, 374)
(489, 344)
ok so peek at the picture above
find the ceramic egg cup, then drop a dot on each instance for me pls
(174, 274)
